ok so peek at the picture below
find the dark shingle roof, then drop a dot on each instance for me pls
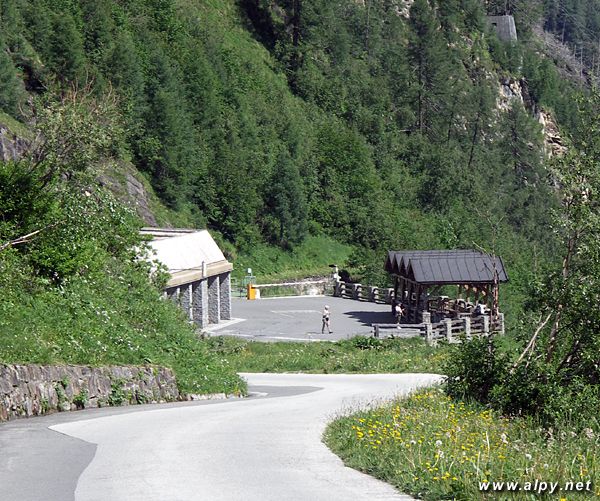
(463, 266)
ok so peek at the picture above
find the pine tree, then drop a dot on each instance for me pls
(287, 203)
(11, 87)
(429, 58)
(65, 50)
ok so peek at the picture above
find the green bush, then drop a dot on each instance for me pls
(474, 369)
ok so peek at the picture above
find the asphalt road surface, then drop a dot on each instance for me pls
(299, 318)
(257, 449)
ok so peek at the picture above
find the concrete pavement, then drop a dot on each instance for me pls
(299, 318)
(252, 449)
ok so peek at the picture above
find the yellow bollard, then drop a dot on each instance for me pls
(251, 292)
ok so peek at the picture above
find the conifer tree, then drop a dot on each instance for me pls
(11, 87)
(288, 203)
(429, 59)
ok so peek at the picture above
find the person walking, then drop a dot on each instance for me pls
(326, 320)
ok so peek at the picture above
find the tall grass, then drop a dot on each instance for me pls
(114, 319)
(436, 448)
(356, 355)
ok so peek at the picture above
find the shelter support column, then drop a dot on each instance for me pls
(214, 300)
(200, 303)
(186, 300)
(225, 296)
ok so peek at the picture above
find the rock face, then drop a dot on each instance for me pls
(11, 146)
(32, 390)
(512, 90)
(138, 195)
(553, 142)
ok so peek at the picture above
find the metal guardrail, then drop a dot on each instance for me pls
(282, 289)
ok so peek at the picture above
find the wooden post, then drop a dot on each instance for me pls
(448, 330)
(372, 294)
(426, 318)
(467, 327)
(376, 330)
(486, 325)
(337, 288)
(429, 333)
(409, 300)
(416, 311)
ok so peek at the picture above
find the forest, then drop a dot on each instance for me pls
(380, 125)
(268, 121)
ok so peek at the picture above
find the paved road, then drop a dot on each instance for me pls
(299, 318)
(253, 449)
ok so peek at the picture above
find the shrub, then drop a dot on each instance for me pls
(474, 369)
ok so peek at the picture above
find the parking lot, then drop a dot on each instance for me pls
(299, 318)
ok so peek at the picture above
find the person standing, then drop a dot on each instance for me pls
(398, 312)
(326, 320)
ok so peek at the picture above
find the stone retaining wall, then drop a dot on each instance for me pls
(32, 390)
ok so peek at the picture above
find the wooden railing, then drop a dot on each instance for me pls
(450, 330)
(363, 292)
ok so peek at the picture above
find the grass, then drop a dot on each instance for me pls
(311, 258)
(14, 126)
(435, 448)
(356, 355)
(108, 319)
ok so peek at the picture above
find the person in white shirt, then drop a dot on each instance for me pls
(326, 320)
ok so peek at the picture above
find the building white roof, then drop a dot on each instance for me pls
(188, 255)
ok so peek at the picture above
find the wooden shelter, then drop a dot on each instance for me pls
(421, 276)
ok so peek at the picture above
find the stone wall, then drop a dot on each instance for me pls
(32, 390)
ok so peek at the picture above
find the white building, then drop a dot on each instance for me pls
(200, 279)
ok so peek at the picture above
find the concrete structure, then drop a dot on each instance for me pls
(505, 27)
(200, 275)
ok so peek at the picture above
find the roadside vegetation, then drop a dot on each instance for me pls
(435, 448)
(523, 414)
(74, 290)
(311, 258)
(356, 355)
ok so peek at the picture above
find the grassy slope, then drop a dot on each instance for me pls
(311, 258)
(436, 448)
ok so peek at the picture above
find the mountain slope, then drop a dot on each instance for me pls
(380, 124)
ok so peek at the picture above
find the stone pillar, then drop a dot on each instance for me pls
(501, 323)
(186, 300)
(356, 292)
(214, 300)
(225, 296)
(173, 294)
(200, 303)
(467, 327)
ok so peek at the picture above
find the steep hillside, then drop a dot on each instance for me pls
(379, 124)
